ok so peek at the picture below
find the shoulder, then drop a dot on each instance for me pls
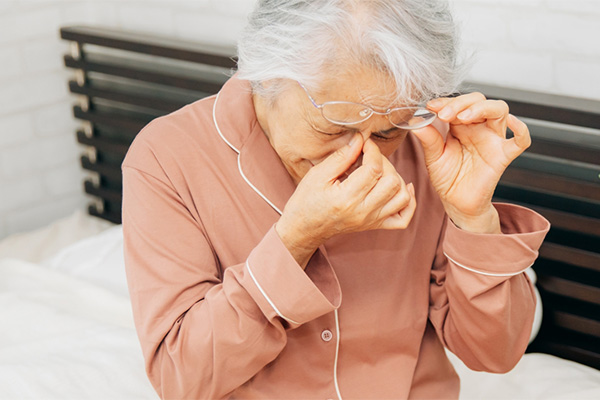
(168, 141)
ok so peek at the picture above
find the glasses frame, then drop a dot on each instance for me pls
(371, 112)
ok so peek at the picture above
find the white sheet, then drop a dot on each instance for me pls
(62, 338)
(67, 333)
(536, 377)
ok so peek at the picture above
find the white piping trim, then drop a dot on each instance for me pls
(337, 323)
(484, 273)
(239, 164)
(255, 189)
(337, 351)
(217, 125)
(267, 297)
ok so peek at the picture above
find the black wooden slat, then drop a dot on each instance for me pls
(111, 171)
(567, 134)
(102, 193)
(569, 289)
(561, 219)
(565, 151)
(109, 216)
(569, 221)
(551, 183)
(130, 95)
(168, 76)
(148, 44)
(569, 255)
(102, 144)
(129, 126)
(510, 192)
(576, 323)
(567, 169)
(554, 114)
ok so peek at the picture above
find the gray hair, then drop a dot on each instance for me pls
(413, 41)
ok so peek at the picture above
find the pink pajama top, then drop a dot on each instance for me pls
(222, 310)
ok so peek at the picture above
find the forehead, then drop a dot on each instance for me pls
(359, 85)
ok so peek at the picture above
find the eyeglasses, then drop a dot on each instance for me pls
(349, 113)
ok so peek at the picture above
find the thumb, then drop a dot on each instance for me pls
(339, 161)
(432, 142)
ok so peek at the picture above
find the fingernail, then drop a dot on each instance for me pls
(434, 103)
(445, 113)
(353, 140)
(411, 188)
(465, 114)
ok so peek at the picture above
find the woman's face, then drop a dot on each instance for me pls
(303, 138)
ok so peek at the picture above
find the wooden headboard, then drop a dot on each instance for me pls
(123, 80)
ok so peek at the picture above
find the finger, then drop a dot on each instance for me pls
(520, 141)
(340, 160)
(458, 104)
(389, 194)
(364, 178)
(402, 218)
(439, 103)
(493, 112)
(397, 203)
(432, 142)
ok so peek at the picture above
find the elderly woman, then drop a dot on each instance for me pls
(309, 233)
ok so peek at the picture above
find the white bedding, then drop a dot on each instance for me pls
(67, 333)
(63, 338)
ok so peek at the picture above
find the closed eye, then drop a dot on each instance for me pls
(389, 134)
(335, 130)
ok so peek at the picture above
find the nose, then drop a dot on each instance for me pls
(375, 123)
(366, 134)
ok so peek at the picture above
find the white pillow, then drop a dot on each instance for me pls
(539, 311)
(97, 259)
(40, 244)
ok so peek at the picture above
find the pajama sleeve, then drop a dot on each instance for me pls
(482, 303)
(207, 328)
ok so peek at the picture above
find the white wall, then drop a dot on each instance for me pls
(40, 177)
(546, 45)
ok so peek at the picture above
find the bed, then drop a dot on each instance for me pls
(68, 330)
(67, 324)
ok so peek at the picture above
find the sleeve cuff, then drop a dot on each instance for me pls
(506, 254)
(282, 288)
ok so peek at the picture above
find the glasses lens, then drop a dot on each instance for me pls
(345, 113)
(412, 118)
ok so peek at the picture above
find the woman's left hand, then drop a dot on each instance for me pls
(466, 167)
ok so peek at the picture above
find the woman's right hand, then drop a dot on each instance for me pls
(373, 196)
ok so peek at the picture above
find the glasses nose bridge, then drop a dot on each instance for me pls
(385, 113)
(373, 111)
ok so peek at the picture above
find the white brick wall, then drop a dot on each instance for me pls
(546, 45)
(38, 152)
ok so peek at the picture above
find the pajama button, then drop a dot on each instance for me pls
(326, 335)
